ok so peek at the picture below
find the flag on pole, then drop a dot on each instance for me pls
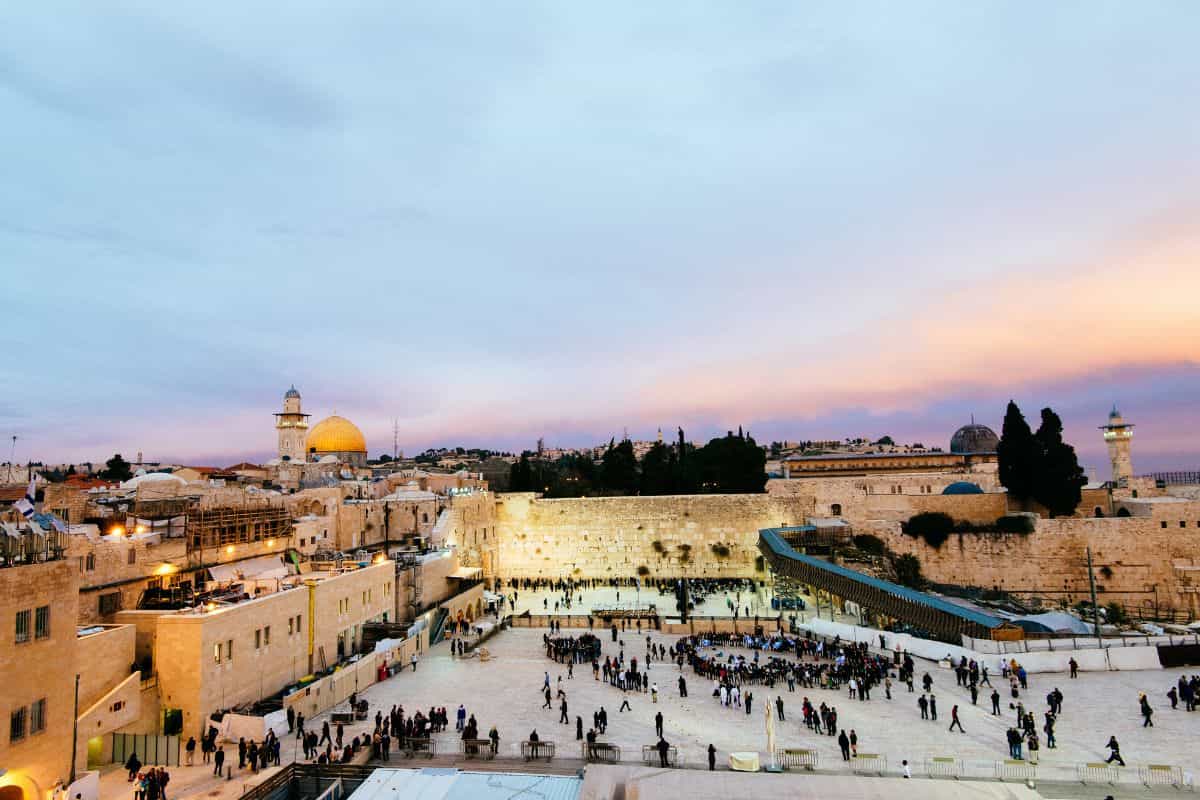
(25, 504)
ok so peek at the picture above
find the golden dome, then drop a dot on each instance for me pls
(335, 435)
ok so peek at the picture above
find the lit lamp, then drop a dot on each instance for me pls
(229, 550)
(118, 530)
(270, 543)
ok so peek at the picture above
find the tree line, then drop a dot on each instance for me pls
(1039, 466)
(731, 464)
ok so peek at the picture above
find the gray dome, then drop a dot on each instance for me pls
(974, 439)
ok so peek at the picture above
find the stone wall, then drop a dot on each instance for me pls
(1136, 561)
(600, 537)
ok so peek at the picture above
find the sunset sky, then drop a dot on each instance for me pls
(495, 222)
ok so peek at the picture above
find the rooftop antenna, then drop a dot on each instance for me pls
(12, 455)
(395, 438)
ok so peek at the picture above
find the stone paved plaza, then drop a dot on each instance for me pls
(506, 692)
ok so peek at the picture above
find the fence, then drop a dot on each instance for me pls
(788, 757)
(943, 767)
(1098, 772)
(1012, 770)
(1161, 775)
(868, 762)
(149, 748)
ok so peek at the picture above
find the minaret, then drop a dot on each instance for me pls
(292, 425)
(1118, 435)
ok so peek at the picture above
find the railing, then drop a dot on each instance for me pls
(869, 762)
(477, 748)
(537, 750)
(600, 753)
(943, 767)
(1012, 769)
(1161, 775)
(414, 747)
(1098, 772)
(788, 757)
(651, 757)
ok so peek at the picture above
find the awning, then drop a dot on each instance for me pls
(262, 568)
(467, 572)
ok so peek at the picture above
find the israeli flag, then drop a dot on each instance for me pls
(25, 504)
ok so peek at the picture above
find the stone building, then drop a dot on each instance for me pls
(292, 425)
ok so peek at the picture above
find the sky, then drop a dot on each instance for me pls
(493, 222)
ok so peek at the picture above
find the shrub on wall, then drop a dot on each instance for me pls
(869, 544)
(1015, 523)
(908, 571)
(643, 570)
(685, 553)
(720, 550)
(932, 526)
(658, 547)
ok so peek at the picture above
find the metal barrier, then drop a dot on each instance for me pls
(414, 747)
(652, 758)
(1013, 769)
(1161, 775)
(869, 762)
(542, 750)
(600, 753)
(789, 757)
(943, 767)
(477, 748)
(1098, 772)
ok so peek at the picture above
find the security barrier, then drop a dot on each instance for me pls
(1015, 770)
(943, 767)
(1098, 772)
(1161, 775)
(868, 762)
(788, 757)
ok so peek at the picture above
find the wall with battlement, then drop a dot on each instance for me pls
(599, 537)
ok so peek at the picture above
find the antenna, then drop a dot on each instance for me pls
(12, 455)
(395, 438)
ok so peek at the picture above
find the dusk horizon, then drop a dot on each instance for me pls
(565, 223)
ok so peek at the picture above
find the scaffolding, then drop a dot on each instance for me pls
(254, 520)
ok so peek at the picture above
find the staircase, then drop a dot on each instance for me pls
(438, 630)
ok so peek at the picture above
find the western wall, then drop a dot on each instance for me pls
(1137, 560)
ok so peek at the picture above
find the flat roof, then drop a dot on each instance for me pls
(433, 783)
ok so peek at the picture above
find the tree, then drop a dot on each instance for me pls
(619, 470)
(733, 464)
(656, 470)
(908, 571)
(887, 440)
(116, 469)
(384, 458)
(520, 476)
(1060, 479)
(1018, 454)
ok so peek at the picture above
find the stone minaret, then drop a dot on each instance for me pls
(1118, 435)
(292, 425)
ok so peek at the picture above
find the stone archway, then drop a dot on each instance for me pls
(13, 792)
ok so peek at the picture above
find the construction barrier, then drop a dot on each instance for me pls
(788, 757)
(652, 758)
(1012, 769)
(1098, 772)
(537, 750)
(868, 762)
(943, 767)
(1161, 775)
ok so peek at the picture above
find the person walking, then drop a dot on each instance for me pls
(562, 713)
(995, 703)
(712, 757)
(1114, 751)
(853, 744)
(954, 720)
(658, 724)
(1147, 711)
(1074, 665)
(1032, 744)
(923, 703)
(219, 760)
(933, 707)
(664, 750)
(190, 748)
(682, 687)
(844, 744)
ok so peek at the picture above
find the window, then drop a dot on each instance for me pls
(257, 638)
(16, 725)
(229, 650)
(267, 635)
(836, 509)
(37, 717)
(110, 603)
(90, 562)
(297, 623)
(41, 623)
(132, 557)
(117, 706)
(217, 653)
(1183, 523)
(1163, 523)
(22, 626)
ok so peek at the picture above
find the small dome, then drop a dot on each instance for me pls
(291, 393)
(962, 487)
(974, 438)
(335, 435)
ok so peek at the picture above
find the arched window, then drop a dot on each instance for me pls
(1099, 512)
(836, 509)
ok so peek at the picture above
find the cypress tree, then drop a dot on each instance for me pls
(1060, 479)
(1018, 453)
